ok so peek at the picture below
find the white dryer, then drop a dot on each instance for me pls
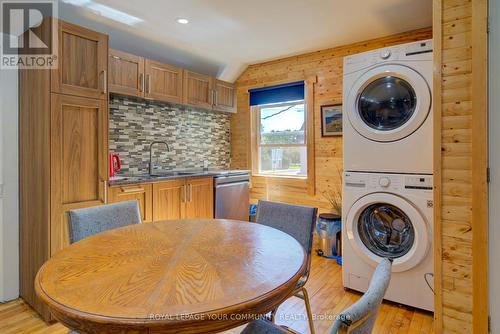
(389, 215)
(387, 123)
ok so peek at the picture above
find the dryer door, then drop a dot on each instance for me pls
(388, 103)
(384, 225)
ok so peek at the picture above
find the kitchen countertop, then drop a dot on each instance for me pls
(171, 175)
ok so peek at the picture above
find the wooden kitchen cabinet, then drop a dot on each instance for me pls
(83, 62)
(207, 92)
(198, 90)
(163, 82)
(183, 199)
(224, 96)
(137, 76)
(126, 73)
(143, 193)
(63, 146)
(200, 198)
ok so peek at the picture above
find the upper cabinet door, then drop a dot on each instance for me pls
(198, 90)
(225, 96)
(83, 62)
(126, 73)
(163, 82)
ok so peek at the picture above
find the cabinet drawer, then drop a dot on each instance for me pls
(143, 193)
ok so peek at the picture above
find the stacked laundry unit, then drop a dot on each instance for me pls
(388, 166)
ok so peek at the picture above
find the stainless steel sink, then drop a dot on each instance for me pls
(172, 173)
(164, 174)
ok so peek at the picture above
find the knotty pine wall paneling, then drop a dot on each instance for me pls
(460, 166)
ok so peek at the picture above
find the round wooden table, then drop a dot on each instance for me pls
(196, 276)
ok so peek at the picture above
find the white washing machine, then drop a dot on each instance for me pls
(389, 215)
(388, 110)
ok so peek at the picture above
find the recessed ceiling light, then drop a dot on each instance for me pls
(182, 20)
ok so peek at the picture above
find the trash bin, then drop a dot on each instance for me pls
(328, 228)
(252, 212)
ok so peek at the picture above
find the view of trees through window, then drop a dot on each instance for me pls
(282, 139)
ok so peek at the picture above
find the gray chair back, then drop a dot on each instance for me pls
(89, 221)
(297, 221)
(360, 317)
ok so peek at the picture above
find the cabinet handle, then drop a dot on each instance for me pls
(148, 84)
(190, 192)
(132, 189)
(105, 191)
(104, 82)
(141, 82)
(216, 97)
(184, 193)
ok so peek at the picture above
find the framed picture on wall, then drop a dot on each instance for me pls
(331, 120)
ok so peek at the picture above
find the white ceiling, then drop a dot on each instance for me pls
(225, 36)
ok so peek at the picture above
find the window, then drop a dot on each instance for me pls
(282, 134)
(281, 139)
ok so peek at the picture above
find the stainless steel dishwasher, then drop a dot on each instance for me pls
(231, 196)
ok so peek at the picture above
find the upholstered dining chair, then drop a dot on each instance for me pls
(297, 221)
(89, 221)
(359, 318)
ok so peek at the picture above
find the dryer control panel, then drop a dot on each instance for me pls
(415, 51)
(387, 182)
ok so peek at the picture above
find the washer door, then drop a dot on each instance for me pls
(388, 103)
(383, 225)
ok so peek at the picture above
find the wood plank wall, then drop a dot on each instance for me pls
(327, 65)
(461, 160)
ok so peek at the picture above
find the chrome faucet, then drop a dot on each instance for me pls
(151, 167)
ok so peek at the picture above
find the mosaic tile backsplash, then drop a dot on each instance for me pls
(194, 135)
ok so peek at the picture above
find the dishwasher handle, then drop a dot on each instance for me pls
(230, 184)
(231, 179)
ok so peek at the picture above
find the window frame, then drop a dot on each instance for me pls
(307, 183)
(259, 145)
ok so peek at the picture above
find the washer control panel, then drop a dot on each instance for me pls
(418, 182)
(387, 182)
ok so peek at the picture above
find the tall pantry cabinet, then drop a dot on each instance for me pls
(63, 146)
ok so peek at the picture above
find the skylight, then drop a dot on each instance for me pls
(106, 11)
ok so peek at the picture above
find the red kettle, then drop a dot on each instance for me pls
(114, 164)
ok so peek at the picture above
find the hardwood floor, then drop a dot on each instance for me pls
(327, 299)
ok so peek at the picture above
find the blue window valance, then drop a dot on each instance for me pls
(292, 91)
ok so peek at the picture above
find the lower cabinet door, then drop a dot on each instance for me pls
(78, 162)
(143, 193)
(200, 198)
(169, 200)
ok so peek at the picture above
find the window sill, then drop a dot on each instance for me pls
(296, 182)
(280, 176)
